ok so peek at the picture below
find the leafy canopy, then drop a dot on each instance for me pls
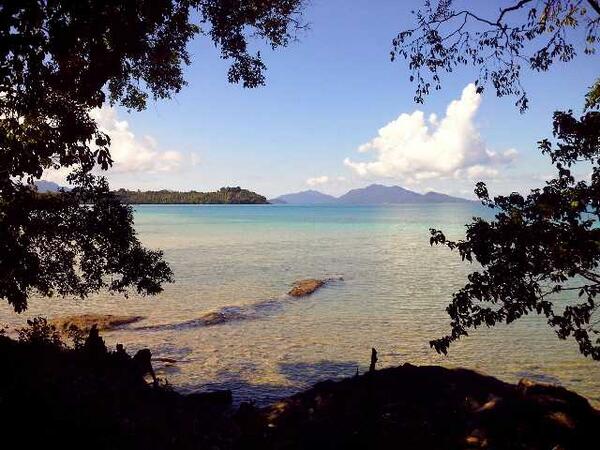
(541, 254)
(525, 34)
(61, 59)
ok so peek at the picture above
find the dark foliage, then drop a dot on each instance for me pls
(58, 61)
(541, 254)
(225, 195)
(525, 34)
(53, 396)
(73, 243)
(38, 332)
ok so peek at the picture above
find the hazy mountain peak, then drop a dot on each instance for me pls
(379, 194)
(47, 186)
(374, 194)
(308, 197)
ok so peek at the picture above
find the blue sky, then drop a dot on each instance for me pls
(326, 96)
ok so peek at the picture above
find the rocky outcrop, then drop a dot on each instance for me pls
(429, 407)
(302, 288)
(85, 322)
(98, 399)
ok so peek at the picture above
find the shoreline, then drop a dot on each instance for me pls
(91, 391)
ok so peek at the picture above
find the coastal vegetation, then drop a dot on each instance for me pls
(540, 254)
(225, 195)
(63, 59)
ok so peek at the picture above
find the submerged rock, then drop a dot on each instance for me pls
(85, 322)
(218, 317)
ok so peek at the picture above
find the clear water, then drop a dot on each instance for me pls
(241, 261)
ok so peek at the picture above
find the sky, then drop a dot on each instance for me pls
(337, 114)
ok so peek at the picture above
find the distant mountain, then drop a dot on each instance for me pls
(277, 201)
(436, 197)
(310, 197)
(47, 186)
(375, 194)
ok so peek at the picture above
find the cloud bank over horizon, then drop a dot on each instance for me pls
(130, 152)
(412, 148)
(317, 181)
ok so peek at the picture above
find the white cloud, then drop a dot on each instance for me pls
(317, 181)
(414, 149)
(130, 152)
(195, 159)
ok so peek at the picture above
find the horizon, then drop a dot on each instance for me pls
(284, 194)
(345, 120)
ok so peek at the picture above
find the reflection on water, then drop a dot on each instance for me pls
(234, 264)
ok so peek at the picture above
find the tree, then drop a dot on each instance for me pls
(60, 60)
(530, 34)
(541, 253)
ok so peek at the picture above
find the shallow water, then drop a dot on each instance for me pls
(236, 263)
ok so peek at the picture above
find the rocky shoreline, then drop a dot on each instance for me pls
(91, 397)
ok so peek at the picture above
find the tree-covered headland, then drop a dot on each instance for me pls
(225, 195)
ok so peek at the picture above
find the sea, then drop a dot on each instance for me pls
(228, 323)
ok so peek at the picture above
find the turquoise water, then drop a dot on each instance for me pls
(240, 261)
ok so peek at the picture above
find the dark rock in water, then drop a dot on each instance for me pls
(302, 288)
(85, 321)
(218, 317)
(164, 359)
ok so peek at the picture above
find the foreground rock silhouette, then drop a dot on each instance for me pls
(429, 407)
(92, 398)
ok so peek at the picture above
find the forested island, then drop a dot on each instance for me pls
(225, 195)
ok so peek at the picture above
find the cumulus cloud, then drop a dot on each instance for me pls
(317, 181)
(415, 148)
(133, 153)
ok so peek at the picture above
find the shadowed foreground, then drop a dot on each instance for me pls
(430, 407)
(55, 397)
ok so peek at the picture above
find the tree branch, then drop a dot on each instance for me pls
(595, 6)
(512, 8)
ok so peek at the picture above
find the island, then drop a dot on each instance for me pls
(225, 195)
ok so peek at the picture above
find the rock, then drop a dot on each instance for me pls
(428, 407)
(85, 321)
(222, 397)
(302, 288)
(214, 318)
(165, 360)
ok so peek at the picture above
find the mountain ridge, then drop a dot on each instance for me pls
(309, 197)
(374, 194)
